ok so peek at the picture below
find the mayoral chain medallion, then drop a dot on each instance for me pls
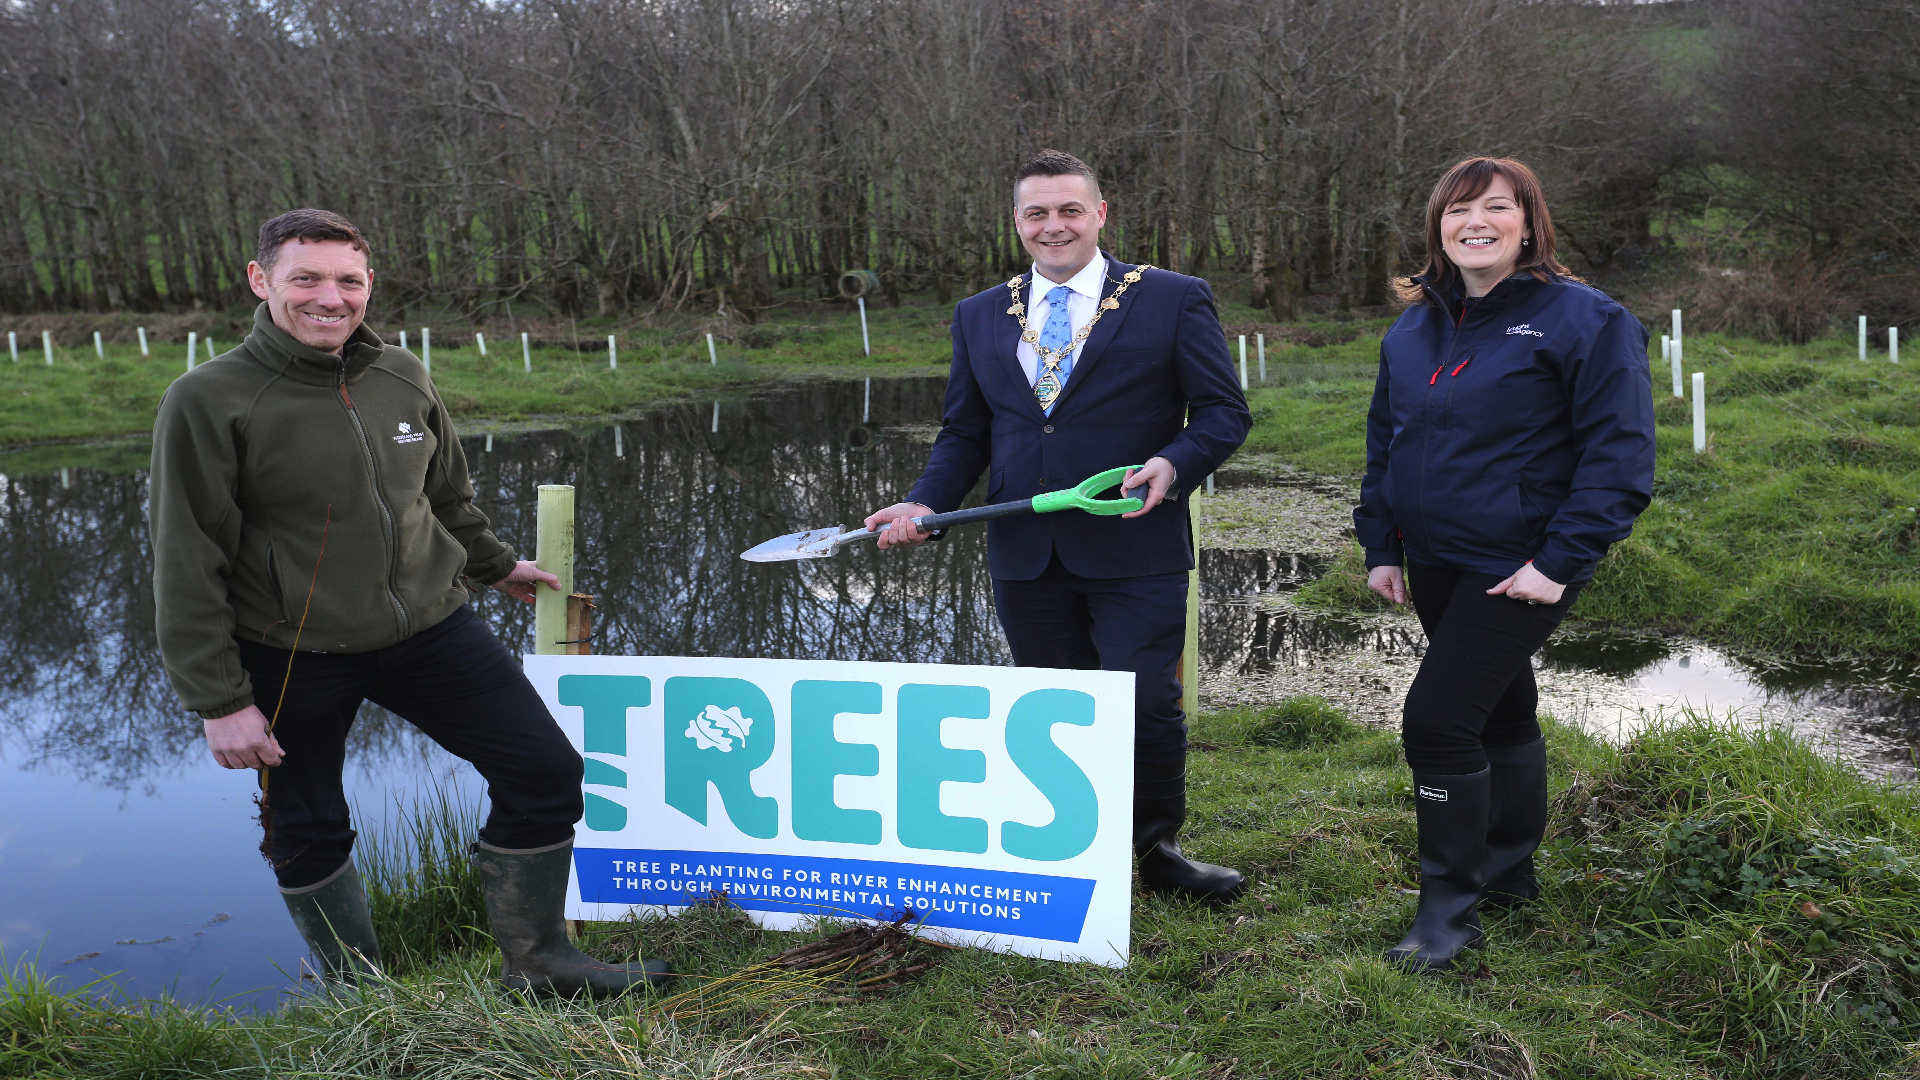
(1047, 386)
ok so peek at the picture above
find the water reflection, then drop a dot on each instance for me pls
(1239, 573)
(660, 530)
(1609, 681)
(120, 843)
(666, 503)
(1247, 638)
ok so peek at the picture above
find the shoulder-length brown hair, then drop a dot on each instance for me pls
(1467, 181)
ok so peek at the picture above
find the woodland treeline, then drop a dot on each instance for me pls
(625, 157)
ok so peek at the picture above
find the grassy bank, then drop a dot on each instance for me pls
(1796, 530)
(83, 396)
(1718, 904)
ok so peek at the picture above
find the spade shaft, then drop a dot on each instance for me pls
(825, 543)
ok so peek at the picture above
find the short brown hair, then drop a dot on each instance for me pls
(1055, 163)
(1467, 181)
(307, 226)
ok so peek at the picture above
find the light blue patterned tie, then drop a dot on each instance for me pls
(1056, 335)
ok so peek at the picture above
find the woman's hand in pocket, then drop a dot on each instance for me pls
(1531, 586)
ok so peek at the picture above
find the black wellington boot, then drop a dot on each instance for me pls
(333, 916)
(1159, 809)
(1452, 814)
(1516, 822)
(526, 895)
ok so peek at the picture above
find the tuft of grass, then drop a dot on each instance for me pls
(1762, 895)
(456, 1025)
(421, 882)
(1296, 723)
(1343, 586)
(47, 1032)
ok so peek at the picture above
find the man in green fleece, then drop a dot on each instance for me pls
(314, 539)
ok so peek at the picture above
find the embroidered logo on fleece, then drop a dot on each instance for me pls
(408, 435)
(1437, 794)
(1522, 329)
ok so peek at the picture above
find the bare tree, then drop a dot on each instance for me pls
(607, 156)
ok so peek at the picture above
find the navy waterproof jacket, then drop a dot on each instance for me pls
(1523, 433)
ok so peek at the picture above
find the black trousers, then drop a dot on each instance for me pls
(455, 682)
(1475, 686)
(1137, 624)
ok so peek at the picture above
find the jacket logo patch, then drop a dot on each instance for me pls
(1437, 794)
(1522, 329)
(408, 435)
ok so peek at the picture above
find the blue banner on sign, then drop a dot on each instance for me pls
(958, 897)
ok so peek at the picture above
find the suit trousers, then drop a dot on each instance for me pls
(456, 683)
(1475, 686)
(1137, 624)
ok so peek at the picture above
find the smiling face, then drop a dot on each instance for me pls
(1482, 235)
(316, 291)
(1060, 218)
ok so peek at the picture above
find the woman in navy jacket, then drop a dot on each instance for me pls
(1510, 441)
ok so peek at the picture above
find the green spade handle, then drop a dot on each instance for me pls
(1081, 496)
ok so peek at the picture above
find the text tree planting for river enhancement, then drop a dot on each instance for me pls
(992, 804)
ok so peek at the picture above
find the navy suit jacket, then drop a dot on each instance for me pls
(1153, 379)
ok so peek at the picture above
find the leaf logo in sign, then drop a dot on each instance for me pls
(710, 729)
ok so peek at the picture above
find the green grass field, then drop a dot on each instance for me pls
(82, 396)
(1718, 904)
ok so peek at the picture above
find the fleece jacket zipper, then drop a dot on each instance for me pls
(386, 514)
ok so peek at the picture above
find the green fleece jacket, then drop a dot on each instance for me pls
(264, 453)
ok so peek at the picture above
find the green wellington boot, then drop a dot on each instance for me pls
(526, 894)
(333, 917)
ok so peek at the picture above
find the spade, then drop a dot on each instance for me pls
(826, 543)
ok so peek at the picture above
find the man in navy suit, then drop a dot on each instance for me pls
(1116, 366)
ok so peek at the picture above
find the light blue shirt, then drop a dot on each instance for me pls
(1086, 286)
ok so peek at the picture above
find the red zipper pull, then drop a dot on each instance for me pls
(1436, 374)
(1457, 370)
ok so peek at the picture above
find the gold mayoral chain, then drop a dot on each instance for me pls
(1047, 385)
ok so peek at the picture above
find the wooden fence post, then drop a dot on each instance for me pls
(555, 556)
(579, 639)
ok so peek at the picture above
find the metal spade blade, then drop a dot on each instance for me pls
(811, 544)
